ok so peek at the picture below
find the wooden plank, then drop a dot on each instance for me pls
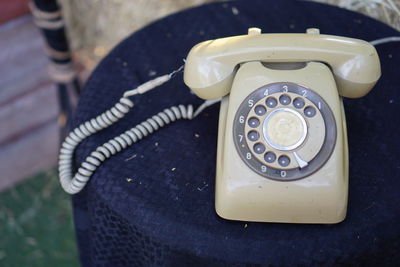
(12, 9)
(26, 113)
(23, 61)
(26, 156)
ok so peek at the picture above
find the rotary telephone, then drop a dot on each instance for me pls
(282, 145)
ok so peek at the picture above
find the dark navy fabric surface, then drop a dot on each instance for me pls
(153, 203)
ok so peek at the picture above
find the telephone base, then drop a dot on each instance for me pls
(244, 195)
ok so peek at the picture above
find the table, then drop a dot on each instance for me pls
(153, 203)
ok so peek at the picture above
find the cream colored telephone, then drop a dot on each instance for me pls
(282, 144)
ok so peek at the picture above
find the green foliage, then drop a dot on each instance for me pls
(36, 227)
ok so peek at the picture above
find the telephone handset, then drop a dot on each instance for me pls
(282, 144)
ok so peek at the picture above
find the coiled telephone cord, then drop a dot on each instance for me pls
(73, 183)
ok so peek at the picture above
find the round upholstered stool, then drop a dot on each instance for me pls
(153, 203)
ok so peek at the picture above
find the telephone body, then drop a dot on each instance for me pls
(282, 151)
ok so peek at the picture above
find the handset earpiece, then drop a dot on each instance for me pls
(211, 65)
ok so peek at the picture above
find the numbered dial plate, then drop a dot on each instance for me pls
(284, 131)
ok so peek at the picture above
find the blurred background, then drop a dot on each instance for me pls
(36, 227)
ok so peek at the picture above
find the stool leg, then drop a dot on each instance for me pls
(47, 16)
(66, 112)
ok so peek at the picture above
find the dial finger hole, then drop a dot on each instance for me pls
(270, 157)
(253, 136)
(285, 99)
(271, 102)
(260, 110)
(310, 111)
(284, 161)
(259, 148)
(253, 122)
(298, 103)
